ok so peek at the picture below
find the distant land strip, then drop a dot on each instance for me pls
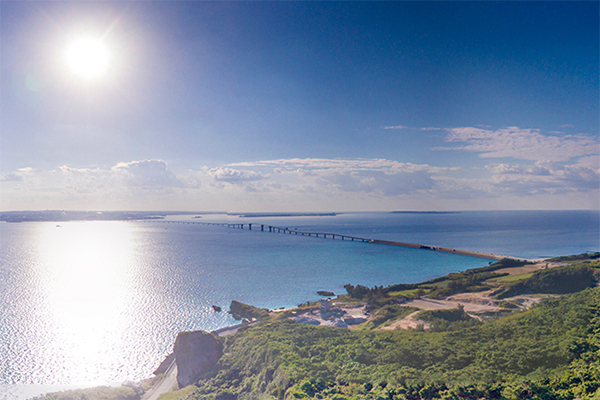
(256, 215)
(424, 212)
(325, 235)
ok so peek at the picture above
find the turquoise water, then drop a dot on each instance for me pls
(88, 303)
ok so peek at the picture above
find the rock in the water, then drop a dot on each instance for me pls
(196, 354)
(325, 293)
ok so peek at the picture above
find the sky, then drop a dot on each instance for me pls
(300, 106)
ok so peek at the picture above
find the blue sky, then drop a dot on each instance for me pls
(301, 106)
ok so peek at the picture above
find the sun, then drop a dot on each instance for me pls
(87, 57)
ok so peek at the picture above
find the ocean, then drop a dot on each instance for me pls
(93, 303)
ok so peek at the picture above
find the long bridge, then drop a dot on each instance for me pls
(338, 236)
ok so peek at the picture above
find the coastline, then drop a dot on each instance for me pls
(474, 305)
(259, 237)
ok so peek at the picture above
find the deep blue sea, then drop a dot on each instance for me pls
(89, 303)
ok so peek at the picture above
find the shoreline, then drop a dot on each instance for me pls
(332, 313)
(474, 303)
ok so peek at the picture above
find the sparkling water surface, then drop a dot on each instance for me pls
(88, 303)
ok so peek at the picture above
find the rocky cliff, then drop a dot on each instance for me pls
(196, 354)
(241, 310)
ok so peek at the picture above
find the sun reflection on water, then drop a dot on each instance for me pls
(86, 269)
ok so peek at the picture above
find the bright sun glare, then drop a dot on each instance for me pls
(87, 57)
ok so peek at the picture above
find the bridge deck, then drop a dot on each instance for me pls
(325, 235)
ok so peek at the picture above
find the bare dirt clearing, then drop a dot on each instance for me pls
(474, 304)
(408, 322)
(529, 268)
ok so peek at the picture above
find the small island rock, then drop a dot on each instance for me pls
(325, 293)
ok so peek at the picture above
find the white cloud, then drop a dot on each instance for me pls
(426, 128)
(137, 183)
(235, 176)
(544, 177)
(396, 127)
(305, 184)
(308, 165)
(379, 182)
(16, 176)
(522, 144)
(11, 177)
(589, 162)
(147, 174)
(382, 178)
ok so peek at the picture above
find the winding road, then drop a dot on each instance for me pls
(166, 384)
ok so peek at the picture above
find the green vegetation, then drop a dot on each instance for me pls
(578, 257)
(386, 314)
(549, 352)
(448, 320)
(473, 280)
(460, 283)
(179, 394)
(375, 297)
(567, 279)
(241, 310)
(408, 294)
(509, 278)
(99, 393)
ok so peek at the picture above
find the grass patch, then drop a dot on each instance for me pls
(409, 294)
(387, 314)
(438, 284)
(508, 304)
(180, 394)
(561, 280)
(577, 257)
(97, 393)
(510, 278)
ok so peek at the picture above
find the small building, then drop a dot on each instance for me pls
(325, 305)
(352, 320)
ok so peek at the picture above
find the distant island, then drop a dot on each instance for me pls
(256, 215)
(70, 215)
(66, 215)
(424, 212)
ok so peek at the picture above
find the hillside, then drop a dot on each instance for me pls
(549, 351)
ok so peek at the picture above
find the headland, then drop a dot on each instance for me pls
(498, 332)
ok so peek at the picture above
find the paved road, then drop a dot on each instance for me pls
(164, 385)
